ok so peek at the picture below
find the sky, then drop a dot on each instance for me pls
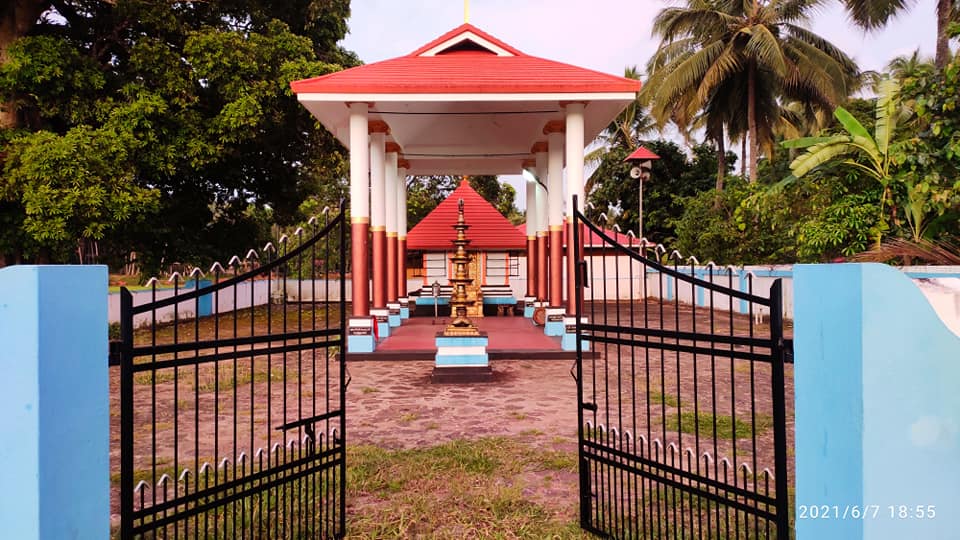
(605, 35)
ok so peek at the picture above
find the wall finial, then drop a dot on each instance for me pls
(466, 11)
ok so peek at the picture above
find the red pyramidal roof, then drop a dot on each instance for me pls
(466, 60)
(488, 228)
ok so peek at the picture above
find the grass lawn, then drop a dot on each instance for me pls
(485, 488)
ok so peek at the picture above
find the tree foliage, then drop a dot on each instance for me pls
(183, 120)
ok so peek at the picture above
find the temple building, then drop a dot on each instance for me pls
(466, 103)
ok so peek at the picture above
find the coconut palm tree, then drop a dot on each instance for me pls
(737, 60)
(625, 131)
(871, 14)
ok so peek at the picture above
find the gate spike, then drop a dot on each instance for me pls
(660, 249)
(259, 453)
(707, 458)
(298, 232)
(605, 218)
(696, 262)
(276, 447)
(223, 463)
(242, 458)
(234, 261)
(283, 239)
(657, 444)
(184, 476)
(616, 227)
(745, 466)
(196, 272)
(642, 440)
(140, 487)
(164, 480)
(767, 472)
(675, 255)
(711, 264)
(630, 234)
(674, 449)
(174, 276)
(205, 468)
(268, 247)
(151, 282)
(689, 453)
(312, 221)
(252, 254)
(291, 444)
(326, 210)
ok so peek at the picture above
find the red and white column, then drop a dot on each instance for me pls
(359, 208)
(360, 335)
(378, 212)
(531, 215)
(542, 229)
(402, 167)
(555, 139)
(574, 152)
(393, 305)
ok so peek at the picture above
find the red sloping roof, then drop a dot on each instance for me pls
(466, 72)
(592, 239)
(488, 228)
(641, 153)
(463, 28)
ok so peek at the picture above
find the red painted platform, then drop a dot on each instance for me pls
(510, 338)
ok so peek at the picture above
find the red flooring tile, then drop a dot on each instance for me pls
(505, 333)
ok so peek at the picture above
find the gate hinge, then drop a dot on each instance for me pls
(589, 406)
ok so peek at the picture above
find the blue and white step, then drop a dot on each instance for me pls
(528, 306)
(462, 351)
(404, 307)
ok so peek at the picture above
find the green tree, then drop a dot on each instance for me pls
(736, 61)
(673, 177)
(193, 100)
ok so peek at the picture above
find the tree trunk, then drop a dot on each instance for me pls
(944, 7)
(721, 161)
(752, 118)
(17, 17)
(743, 157)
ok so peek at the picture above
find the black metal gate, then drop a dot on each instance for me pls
(681, 396)
(232, 396)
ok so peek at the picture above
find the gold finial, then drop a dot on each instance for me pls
(466, 11)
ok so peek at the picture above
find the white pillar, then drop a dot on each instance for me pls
(402, 202)
(391, 193)
(555, 179)
(359, 164)
(574, 150)
(532, 207)
(378, 207)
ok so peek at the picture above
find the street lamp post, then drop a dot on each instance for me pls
(642, 160)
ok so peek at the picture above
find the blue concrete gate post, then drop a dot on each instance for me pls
(54, 403)
(877, 408)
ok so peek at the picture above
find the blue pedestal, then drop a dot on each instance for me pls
(554, 324)
(462, 351)
(568, 341)
(393, 319)
(360, 336)
(383, 322)
(404, 308)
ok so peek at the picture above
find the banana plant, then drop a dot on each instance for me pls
(858, 148)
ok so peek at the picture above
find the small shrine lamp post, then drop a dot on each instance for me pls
(642, 160)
